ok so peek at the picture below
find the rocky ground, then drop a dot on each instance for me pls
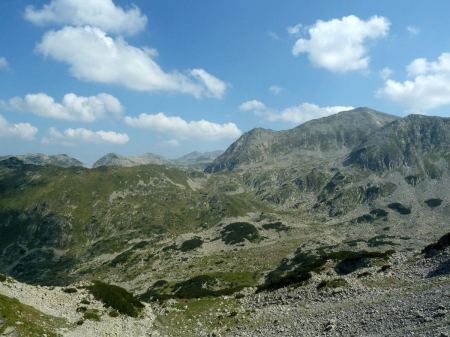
(409, 295)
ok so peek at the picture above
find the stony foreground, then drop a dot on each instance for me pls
(409, 296)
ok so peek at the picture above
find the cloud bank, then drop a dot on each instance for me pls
(184, 130)
(72, 108)
(24, 131)
(72, 137)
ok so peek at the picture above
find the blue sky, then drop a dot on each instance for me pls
(87, 78)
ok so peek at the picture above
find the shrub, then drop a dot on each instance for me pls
(366, 273)
(379, 212)
(338, 282)
(398, 207)
(433, 202)
(116, 298)
(85, 301)
(113, 313)
(441, 244)
(141, 245)
(238, 232)
(191, 244)
(278, 226)
(70, 290)
(2, 278)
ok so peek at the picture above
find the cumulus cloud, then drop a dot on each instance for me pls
(25, 131)
(95, 57)
(386, 73)
(103, 14)
(294, 30)
(252, 105)
(215, 87)
(73, 137)
(296, 114)
(339, 45)
(169, 143)
(177, 126)
(3, 63)
(275, 89)
(413, 30)
(429, 89)
(72, 108)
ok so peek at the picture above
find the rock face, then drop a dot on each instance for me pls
(62, 160)
(328, 137)
(415, 141)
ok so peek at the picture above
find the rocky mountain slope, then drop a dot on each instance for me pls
(273, 232)
(329, 137)
(62, 160)
(199, 157)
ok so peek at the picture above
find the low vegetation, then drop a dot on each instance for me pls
(238, 232)
(433, 202)
(398, 207)
(117, 298)
(277, 226)
(441, 244)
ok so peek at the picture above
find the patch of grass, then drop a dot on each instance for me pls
(364, 274)
(238, 232)
(334, 283)
(433, 202)
(113, 313)
(2, 277)
(85, 301)
(398, 207)
(70, 290)
(278, 226)
(191, 244)
(379, 212)
(92, 316)
(116, 298)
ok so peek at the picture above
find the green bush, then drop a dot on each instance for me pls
(191, 244)
(70, 290)
(85, 301)
(116, 298)
(398, 207)
(2, 277)
(278, 226)
(433, 202)
(338, 282)
(441, 244)
(113, 313)
(238, 232)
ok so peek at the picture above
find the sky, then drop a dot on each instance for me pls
(86, 78)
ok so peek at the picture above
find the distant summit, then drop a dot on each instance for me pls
(62, 160)
(198, 157)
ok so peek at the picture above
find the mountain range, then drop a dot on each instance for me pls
(337, 207)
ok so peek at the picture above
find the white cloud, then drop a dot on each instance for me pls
(215, 87)
(386, 73)
(3, 63)
(429, 89)
(275, 89)
(99, 13)
(25, 131)
(169, 143)
(294, 30)
(75, 136)
(252, 105)
(95, 57)
(296, 114)
(273, 35)
(413, 30)
(177, 126)
(72, 108)
(339, 45)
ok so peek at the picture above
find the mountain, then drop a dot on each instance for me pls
(199, 157)
(328, 137)
(347, 212)
(119, 160)
(62, 160)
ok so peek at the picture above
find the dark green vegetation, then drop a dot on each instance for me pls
(433, 202)
(278, 226)
(398, 207)
(441, 244)
(191, 244)
(238, 232)
(298, 269)
(334, 283)
(116, 298)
